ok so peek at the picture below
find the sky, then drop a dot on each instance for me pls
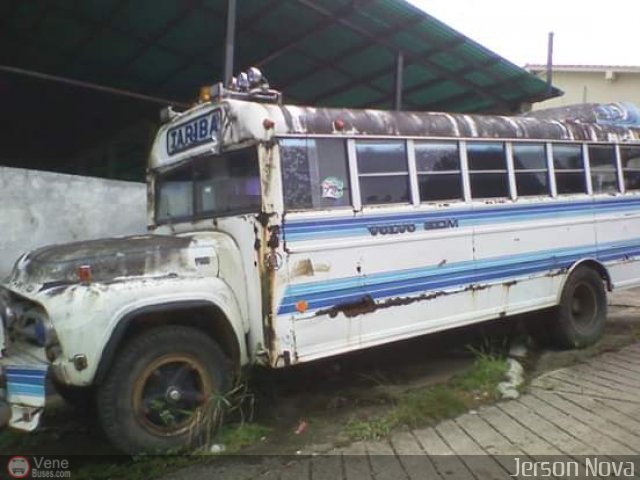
(586, 32)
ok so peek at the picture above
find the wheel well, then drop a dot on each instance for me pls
(598, 267)
(206, 317)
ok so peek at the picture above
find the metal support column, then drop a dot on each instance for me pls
(398, 82)
(229, 50)
(550, 63)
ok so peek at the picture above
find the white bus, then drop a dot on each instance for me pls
(283, 234)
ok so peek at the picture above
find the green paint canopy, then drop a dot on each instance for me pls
(317, 52)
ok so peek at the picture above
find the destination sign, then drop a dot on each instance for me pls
(197, 131)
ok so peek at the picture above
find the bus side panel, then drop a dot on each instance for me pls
(383, 259)
(398, 322)
(618, 231)
(530, 238)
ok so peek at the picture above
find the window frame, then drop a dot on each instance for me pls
(458, 172)
(585, 170)
(349, 183)
(615, 164)
(546, 170)
(623, 170)
(408, 174)
(506, 171)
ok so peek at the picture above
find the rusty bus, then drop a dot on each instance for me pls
(281, 234)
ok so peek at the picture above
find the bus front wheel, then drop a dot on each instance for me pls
(157, 394)
(578, 320)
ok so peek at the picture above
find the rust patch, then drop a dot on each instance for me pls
(302, 268)
(352, 309)
(475, 287)
(368, 305)
(110, 259)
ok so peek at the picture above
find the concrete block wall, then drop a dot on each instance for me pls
(42, 208)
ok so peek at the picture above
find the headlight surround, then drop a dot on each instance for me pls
(7, 314)
(35, 327)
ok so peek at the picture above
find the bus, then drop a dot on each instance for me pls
(282, 234)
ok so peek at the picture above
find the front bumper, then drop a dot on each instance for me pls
(24, 374)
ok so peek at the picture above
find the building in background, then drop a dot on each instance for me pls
(591, 84)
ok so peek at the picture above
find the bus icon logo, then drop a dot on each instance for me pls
(18, 467)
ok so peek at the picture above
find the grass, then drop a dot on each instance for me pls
(236, 437)
(428, 405)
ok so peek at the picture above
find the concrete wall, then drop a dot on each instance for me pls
(593, 87)
(40, 208)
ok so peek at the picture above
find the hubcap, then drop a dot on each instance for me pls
(584, 305)
(169, 392)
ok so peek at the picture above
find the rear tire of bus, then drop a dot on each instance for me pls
(580, 317)
(158, 394)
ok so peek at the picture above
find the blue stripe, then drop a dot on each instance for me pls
(27, 390)
(418, 280)
(467, 217)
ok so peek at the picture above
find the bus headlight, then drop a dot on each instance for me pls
(35, 327)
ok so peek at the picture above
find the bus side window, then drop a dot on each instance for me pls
(602, 163)
(383, 171)
(488, 170)
(315, 173)
(630, 157)
(438, 167)
(569, 167)
(531, 171)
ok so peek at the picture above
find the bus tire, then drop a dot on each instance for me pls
(580, 316)
(152, 397)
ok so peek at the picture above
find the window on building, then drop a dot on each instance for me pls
(487, 169)
(569, 167)
(383, 172)
(438, 167)
(630, 157)
(315, 173)
(602, 163)
(531, 171)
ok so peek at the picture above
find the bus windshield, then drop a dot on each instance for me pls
(210, 186)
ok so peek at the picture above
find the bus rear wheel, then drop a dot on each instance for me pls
(579, 319)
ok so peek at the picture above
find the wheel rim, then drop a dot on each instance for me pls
(169, 392)
(584, 306)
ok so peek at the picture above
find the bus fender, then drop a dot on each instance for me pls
(589, 263)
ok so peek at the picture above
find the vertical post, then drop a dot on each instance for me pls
(550, 62)
(229, 50)
(398, 81)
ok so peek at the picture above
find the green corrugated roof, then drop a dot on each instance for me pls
(325, 52)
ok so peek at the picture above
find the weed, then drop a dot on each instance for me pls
(431, 404)
(485, 374)
(210, 418)
(428, 405)
(238, 436)
(373, 429)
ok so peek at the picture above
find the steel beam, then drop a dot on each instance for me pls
(230, 41)
(90, 86)
(398, 81)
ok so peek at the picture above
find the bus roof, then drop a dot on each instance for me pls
(591, 122)
(240, 121)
